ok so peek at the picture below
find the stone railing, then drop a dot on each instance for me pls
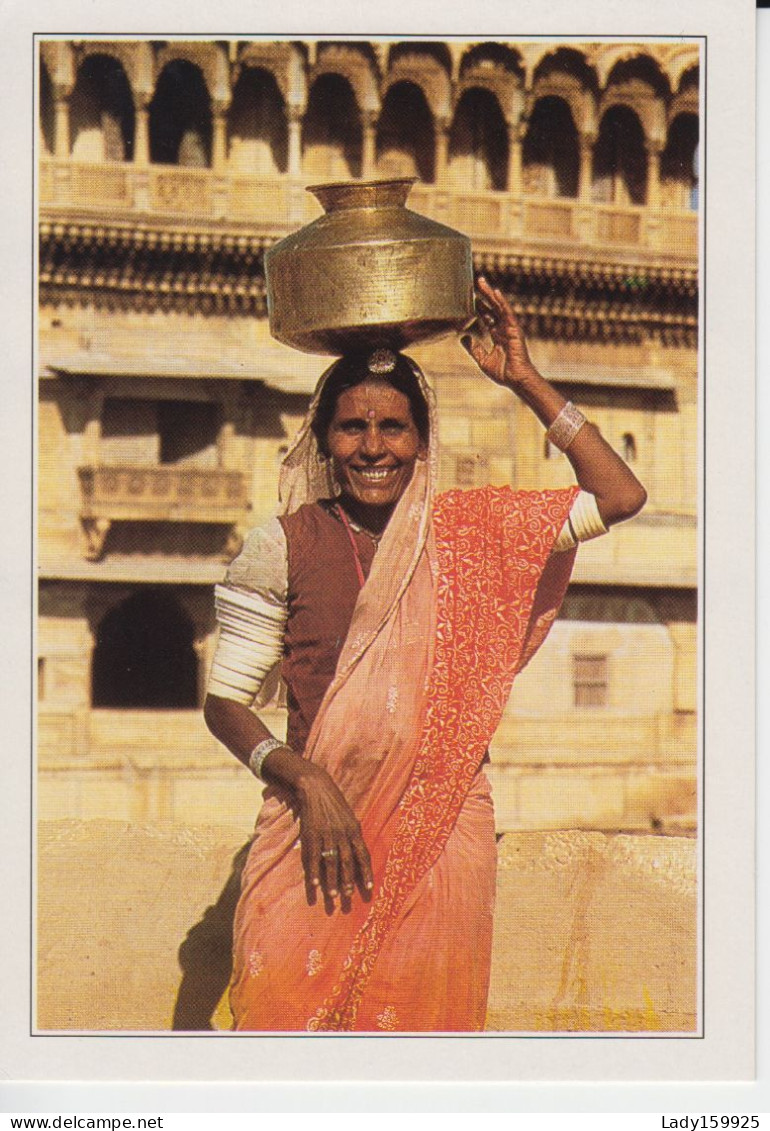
(280, 204)
(157, 494)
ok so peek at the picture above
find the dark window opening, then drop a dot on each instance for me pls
(550, 155)
(180, 117)
(102, 112)
(188, 431)
(332, 129)
(406, 143)
(620, 159)
(144, 655)
(478, 143)
(145, 432)
(257, 124)
(47, 112)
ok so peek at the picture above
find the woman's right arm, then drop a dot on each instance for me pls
(251, 611)
(327, 823)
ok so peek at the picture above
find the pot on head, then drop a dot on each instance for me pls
(368, 273)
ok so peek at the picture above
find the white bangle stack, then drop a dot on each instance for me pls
(566, 426)
(260, 752)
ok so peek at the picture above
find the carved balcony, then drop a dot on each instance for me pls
(274, 206)
(158, 494)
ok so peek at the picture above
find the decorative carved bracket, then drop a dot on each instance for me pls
(96, 531)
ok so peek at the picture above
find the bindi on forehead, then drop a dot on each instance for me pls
(371, 400)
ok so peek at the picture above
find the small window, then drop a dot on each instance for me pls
(629, 447)
(590, 680)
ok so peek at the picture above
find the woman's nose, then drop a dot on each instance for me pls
(372, 440)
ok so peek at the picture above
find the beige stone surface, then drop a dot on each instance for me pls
(592, 932)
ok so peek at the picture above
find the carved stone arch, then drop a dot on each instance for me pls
(414, 64)
(209, 58)
(332, 129)
(283, 61)
(537, 59)
(354, 65)
(441, 53)
(59, 58)
(479, 149)
(679, 163)
(620, 163)
(551, 152)
(643, 68)
(124, 52)
(682, 64)
(257, 123)
(406, 134)
(570, 90)
(502, 55)
(638, 83)
(181, 113)
(607, 56)
(101, 107)
(687, 98)
(499, 69)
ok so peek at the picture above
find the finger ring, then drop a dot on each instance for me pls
(329, 852)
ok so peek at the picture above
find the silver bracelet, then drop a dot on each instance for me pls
(566, 426)
(260, 752)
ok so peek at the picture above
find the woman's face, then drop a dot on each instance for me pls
(374, 444)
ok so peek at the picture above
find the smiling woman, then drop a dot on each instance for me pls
(397, 620)
(372, 423)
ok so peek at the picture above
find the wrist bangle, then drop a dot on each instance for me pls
(566, 426)
(260, 752)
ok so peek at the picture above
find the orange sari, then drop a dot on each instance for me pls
(461, 593)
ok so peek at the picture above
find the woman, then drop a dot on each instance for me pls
(400, 621)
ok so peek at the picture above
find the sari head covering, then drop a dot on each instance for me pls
(460, 594)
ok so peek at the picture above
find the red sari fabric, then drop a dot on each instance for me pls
(417, 956)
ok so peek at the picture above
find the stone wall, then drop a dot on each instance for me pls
(593, 933)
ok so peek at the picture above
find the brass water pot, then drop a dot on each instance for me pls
(368, 273)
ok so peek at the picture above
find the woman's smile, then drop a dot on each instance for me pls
(374, 444)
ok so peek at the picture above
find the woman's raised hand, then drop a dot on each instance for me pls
(501, 353)
(334, 855)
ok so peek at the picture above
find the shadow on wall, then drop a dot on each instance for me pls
(206, 955)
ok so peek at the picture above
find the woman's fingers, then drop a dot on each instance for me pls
(330, 856)
(346, 868)
(363, 865)
(311, 858)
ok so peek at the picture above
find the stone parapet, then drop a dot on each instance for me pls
(593, 933)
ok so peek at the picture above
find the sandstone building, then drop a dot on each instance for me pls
(165, 171)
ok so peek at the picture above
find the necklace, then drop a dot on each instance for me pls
(349, 528)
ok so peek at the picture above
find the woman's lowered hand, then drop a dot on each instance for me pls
(334, 855)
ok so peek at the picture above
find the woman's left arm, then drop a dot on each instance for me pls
(599, 469)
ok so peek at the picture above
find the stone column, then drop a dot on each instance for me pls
(295, 141)
(369, 151)
(219, 139)
(586, 163)
(516, 132)
(442, 151)
(61, 146)
(653, 173)
(142, 135)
